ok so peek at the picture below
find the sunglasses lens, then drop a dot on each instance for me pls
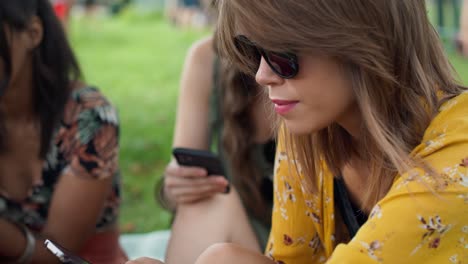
(283, 64)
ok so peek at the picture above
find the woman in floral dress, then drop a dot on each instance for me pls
(59, 176)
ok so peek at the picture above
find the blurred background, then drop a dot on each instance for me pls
(133, 50)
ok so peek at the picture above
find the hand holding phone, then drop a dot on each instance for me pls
(63, 254)
(194, 175)
(199, 158)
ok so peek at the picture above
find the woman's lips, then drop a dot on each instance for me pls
(284, 106)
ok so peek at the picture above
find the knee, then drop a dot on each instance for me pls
(219, 253)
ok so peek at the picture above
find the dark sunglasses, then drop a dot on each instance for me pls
(284, 64)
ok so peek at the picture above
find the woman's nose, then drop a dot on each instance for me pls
(265, 76)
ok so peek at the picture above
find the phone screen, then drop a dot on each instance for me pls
(64, 255)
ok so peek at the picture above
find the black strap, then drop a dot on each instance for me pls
(345, 206)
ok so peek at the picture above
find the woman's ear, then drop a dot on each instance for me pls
(34, 32)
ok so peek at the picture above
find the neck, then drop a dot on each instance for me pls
(17, 101)
(355, 174)
(351, 121)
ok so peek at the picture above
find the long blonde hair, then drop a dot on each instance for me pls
(395, 63)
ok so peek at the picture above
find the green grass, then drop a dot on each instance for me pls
(136, 61)
(461, 65)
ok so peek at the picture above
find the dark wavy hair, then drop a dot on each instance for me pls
(55, 67)
(240, 93)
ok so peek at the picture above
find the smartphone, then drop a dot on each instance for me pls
(64, 255)
(200, 158)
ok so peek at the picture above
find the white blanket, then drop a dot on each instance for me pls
(151, 245)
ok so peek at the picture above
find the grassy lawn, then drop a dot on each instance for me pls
(136, 60)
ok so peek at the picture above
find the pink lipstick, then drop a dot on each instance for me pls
(284, 106)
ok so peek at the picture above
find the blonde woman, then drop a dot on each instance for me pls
(372, 162)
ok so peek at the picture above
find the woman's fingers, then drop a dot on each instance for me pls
(174, 182)
(199, 189)
(174, 169)
(190, 184)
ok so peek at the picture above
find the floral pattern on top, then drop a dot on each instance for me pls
(422, 219)
(86, 144)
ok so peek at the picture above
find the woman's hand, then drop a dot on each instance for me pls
(144, 260)
(184, 185)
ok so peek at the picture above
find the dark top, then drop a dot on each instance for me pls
(353, 217)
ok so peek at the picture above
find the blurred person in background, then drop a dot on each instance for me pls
(62, 10)
(90, 6)
(188, 13)
(59, 175)
(219, 106)
(462, 41)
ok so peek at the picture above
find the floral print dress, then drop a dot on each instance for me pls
(420, 220)
(86, 142)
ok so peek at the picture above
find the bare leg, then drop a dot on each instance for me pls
(230, 253)
(200, 225)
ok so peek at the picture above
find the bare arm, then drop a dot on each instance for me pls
(78, 197)
(192, 130)
(13, 247)
(80, 194)
(193, 108)
(75, 208)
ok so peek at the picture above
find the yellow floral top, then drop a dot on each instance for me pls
(411, 224)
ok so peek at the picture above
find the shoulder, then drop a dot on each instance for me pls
(88, 103)
(455, 108)
(200, 56)
(442, 151)
(198, 74)
(89, 97)
(448, 130)
(88, 137)
(202, 50)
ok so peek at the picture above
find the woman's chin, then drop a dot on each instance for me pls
(301, 128)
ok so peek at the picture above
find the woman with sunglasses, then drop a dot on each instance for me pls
(372, 163)
(59, 176)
